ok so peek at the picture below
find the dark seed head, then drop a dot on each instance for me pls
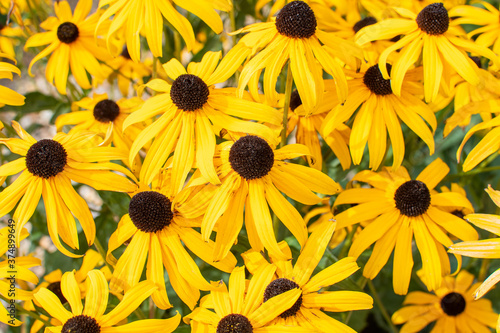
(189, 92)
(412, 198)
(150, 211)
(234, 323)
(295, 100)
(106, 111)
(46, 158)
(81, 324)
(374, 80)
(125, 53)
(453, 304)
(251, 157)
(477, 61)
(458, 213)
(67, 32)
(364, 23)
(55, 287)
(296, 20)
(278, 287)
(433, 19)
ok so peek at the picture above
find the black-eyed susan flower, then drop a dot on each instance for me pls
(135, 16)
(91, 318)
(401, 209)
(9, 36)
(431, 34)
(307, 311)
(451, 307)
(47, 168)
(72, 45)
(105, 116)
(488, 145)
(17, 266)
(380, 113)
(293, 35)
(308, 128)
(191, 110)
(239, 308)
(155, 227)
(7, 95)
(485, 248)
(253, 175)
(52, 281)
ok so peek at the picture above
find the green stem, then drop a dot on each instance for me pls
(288, 94)
(27, 312)
(348, 242)
(101, 251)
(381, 306)
(233, 37)
(483, 271)
(361, 283)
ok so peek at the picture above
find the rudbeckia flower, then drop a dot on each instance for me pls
(252, 175)
(401, 208)
(293, 35)
(485, 248)
(307, 311)
(104, 116)
(8, 38)
(52, 281)
(309, 128)
(7, 95)
(139, 15)
(191, 108)
(239, 308)
(47, 168)
(380, 112)
(488, 145)
(91, 318)
(431, 34)
(20, 267)
(72, 45)
(155, 227)
(451, 307)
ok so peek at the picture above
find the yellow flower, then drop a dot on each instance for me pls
(485, 248)
(191, 109)
(253, 174)
(240, 308)
(451, 307)
(432, 34)
(293, 35)
(72, 45)
(138, 15)
(91, 318)
(380, 112)
(19, 267)
(402, 208)
(157, 224)
(105, 116)
(8, 38)
(47, 168)
(307, 311)
(7, 95)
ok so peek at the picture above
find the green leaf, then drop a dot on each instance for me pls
(35, 102)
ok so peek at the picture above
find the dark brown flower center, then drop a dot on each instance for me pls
(234, 323)
(374, 80)
(296, 20)
(412, 198)
(477, 61)
(81, 324)
(150, 211)
(278, 287)
(364, 23)
(106, 111)
(125, 53)
(453, 304)
(433, 19)
(295, 100)
(46, 158)
(189, 92)
(55, 287)
(251, 157)
(458, 213)
(67, 32)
